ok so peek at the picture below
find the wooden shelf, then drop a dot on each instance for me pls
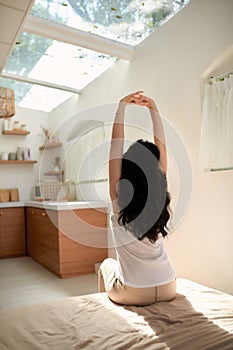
(54, 173)
(50, 145)
(15, 132)
(18, 161)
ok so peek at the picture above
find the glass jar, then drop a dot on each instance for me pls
(23, 127)
(12, 156)
(16, 125)
(7, 124)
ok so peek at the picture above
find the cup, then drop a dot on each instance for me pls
(4, 156)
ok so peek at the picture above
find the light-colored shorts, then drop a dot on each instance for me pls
(125, 295)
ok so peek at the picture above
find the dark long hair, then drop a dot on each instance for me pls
(143, 197)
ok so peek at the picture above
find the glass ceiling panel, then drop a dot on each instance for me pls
(55, 62)
(127, 21)
(43, 59)
(34, 96)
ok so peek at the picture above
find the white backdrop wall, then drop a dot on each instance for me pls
(168, 66)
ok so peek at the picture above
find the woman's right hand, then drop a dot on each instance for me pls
(147, 102)
(133, 98)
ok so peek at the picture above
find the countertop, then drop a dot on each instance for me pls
(54, 205)
(11, 204)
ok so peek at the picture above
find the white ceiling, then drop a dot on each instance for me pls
(13, 14)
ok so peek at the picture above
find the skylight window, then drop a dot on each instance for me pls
(35, 96)
(51, 61)
(44, 60)
(126, 21)
(47, 54)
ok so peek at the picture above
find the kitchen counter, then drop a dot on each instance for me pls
(64, 205)
(56, 205)
(11, 204)
(68, 238)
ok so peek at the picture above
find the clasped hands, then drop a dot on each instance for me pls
(139, 99)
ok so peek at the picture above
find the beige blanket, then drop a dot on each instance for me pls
(199, 318)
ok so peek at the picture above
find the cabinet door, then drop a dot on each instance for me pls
(12, 232)
(82, 240)
(42, 237)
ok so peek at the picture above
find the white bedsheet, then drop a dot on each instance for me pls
(199, 318)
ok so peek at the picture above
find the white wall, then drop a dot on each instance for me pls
(23, 176)
(169, 66)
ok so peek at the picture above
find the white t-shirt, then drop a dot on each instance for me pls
(142, 264)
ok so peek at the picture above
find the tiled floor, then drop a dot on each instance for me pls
(23, 281)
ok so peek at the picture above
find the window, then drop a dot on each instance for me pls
(69, 43)
(217, 124)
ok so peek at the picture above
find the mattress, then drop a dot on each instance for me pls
(198, 318)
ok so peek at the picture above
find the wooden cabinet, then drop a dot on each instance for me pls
(42, 238)
(12, 232)
(68, 242)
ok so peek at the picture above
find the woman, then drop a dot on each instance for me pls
(142, 273)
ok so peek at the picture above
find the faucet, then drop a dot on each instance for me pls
(69, 190)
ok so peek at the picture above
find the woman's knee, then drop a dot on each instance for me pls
(108, 263)
(108, 271)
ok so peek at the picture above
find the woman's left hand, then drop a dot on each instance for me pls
(133, 98)
(147, 102)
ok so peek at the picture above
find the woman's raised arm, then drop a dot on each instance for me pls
(117, 142)
(158, 130)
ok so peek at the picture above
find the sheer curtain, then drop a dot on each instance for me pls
(216, 152)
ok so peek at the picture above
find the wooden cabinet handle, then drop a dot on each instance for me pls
(32, 212)
(1, 213)
(43, 214)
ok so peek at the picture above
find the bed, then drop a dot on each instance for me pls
(198, 318)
